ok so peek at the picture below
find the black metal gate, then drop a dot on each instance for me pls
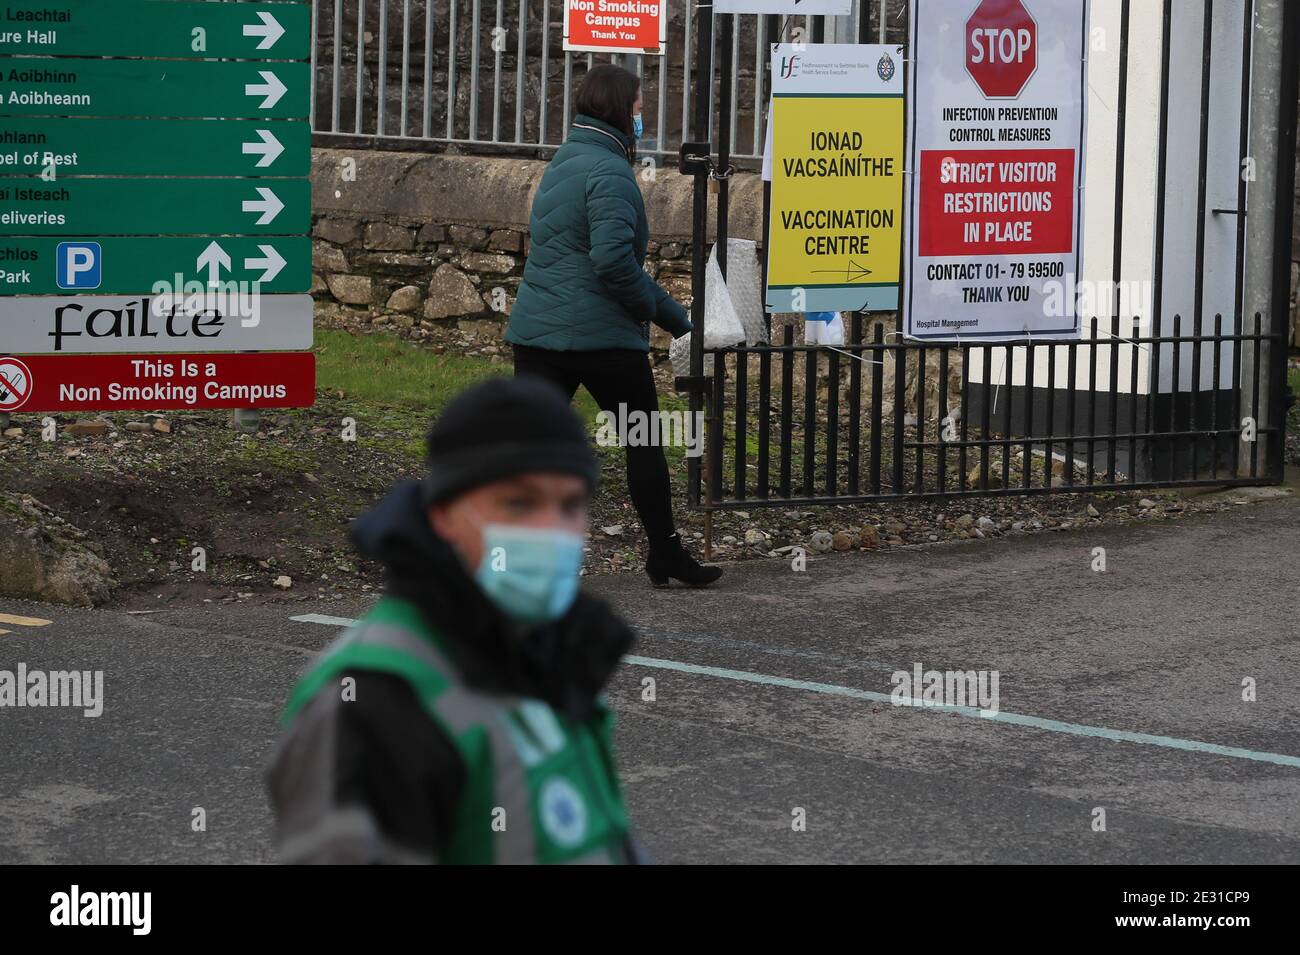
(886, 417)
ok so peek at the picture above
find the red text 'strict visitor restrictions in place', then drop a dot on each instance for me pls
(169, 382)
(996, 201)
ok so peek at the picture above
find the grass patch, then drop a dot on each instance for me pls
(266, 454)
(385, 370)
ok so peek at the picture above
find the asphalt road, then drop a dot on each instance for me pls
(1118, 691)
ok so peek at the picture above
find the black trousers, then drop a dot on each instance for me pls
(615, 376)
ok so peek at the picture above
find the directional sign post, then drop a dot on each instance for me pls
(175, 88)
(152, 147)
(164, 28)
(113, 265)
(154, 205)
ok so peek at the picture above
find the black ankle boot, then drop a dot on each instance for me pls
(671, 561)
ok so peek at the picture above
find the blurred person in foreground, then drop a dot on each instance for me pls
(462, 720)
(586, 302)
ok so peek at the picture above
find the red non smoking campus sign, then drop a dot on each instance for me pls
(52, 383)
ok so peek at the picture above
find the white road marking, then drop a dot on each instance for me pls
(1017, 719)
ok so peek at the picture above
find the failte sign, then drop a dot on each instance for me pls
(203, 321)
(611, 26)
(996, 136)
(55, 383)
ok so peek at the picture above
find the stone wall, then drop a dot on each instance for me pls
(423, 243)
(434, 245)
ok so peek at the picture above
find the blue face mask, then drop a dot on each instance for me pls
(637, 127)
(530, 573)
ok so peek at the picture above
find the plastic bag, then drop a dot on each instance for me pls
(722, 327)
(745, 283)
(823, 328)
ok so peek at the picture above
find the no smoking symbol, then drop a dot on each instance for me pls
(15, 384)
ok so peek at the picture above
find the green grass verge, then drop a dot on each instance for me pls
(399, 386)
(387, 371)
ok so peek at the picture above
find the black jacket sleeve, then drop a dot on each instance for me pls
(367, 780)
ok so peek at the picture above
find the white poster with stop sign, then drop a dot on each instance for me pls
(995, 150)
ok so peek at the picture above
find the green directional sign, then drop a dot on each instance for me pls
(154, 147)
(153, 88)
(166, 28)
(114, 265)
(154, 207)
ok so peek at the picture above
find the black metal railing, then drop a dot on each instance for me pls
(793, 423)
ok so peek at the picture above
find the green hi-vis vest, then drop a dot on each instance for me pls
(539, 787)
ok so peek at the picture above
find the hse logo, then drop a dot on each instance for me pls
(79, 265)
(789, 66)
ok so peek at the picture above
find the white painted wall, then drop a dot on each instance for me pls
(1141, 165)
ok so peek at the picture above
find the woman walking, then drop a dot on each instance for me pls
(585, 304)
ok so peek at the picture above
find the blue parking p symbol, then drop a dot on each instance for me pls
(78, 265)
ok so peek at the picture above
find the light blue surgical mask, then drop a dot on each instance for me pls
(637, 126)
(530, 573)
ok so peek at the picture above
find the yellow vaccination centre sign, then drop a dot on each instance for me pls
(835, 159)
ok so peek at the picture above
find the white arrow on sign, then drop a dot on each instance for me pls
(270, 31)
(271, 88)
(269, 205)
(214, 258)
(270, 148)
(272, 262)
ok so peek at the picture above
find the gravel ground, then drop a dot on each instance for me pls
(271, 510)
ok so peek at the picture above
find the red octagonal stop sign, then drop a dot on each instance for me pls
(1001, 47)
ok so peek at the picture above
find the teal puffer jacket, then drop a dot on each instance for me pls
(584, 287)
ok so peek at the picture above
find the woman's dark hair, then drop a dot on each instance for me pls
(607, 93)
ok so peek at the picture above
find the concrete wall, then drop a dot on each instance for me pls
(425, 243)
